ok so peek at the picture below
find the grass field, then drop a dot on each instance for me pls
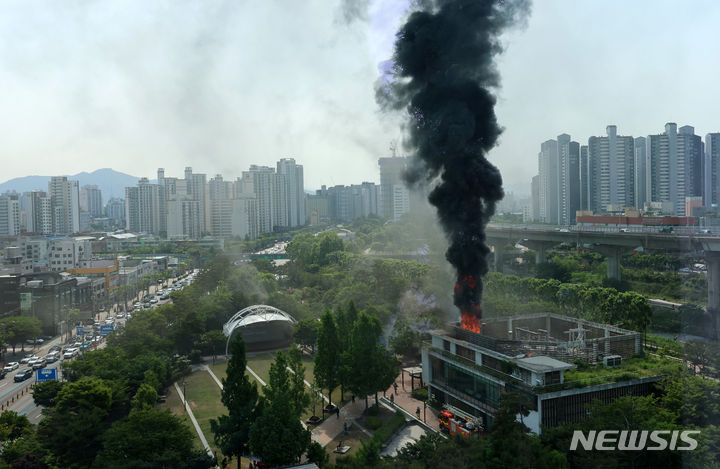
(203, 394)
(174, 404)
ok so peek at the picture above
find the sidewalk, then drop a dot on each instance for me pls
(404, 399)
(332, 426)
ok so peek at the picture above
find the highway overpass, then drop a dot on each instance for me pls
(612, 245)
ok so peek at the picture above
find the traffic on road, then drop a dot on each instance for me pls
(22, 370)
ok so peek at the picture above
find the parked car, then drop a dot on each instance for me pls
(22, 375)
(35, 341)
(3, 373)
(11, 366)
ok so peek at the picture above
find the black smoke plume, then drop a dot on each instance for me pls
(443, 73)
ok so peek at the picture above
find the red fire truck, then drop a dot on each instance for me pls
(457, 422)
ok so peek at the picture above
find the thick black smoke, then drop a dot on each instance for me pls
(443, 72)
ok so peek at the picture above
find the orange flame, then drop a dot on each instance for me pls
(470, 321)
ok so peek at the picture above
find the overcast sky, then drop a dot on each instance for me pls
(137, 85)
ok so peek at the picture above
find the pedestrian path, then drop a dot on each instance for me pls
(402, 397)
(333, 426)
(194, 422)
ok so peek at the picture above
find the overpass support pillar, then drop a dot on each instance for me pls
(713, 279)
(498, 256)
(613, 255)
(539, 247)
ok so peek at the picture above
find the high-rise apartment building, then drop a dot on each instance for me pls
(145, 208)
(65, 205)
(270, 196)
(393, 191)
(295, 190)
(641, 172)
(91, 200)
(9, 216)
(611, 171)
(115, 211)
(197, 189)
(676, 160)
(711, 184)
(548, 187)
(584, 179)
(132, 208)
(568, 179)
(38, 212)
(231, 213)
(535, 198)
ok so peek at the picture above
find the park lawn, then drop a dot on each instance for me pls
(174, 404)
(260, 364)
(220, 370)
(203, 394)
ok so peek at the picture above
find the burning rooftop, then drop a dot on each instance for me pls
(552, 335)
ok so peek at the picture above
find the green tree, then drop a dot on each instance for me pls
(277, 436)
(371, 365)
(213, 342)
(146, 438)
(287, 375)
(239, 395)
(317, 454)
(404, 340)
(78, 420)
(145, 397)
(18, 329)
(306, 332)
(19, 441)
(44, 394)
(326, 358)
(345, 321)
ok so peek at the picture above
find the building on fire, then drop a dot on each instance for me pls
(558, 363)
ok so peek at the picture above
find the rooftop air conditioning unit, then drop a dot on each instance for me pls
(612, 360)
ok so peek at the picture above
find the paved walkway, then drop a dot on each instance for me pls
(195, 422)
(404, 399)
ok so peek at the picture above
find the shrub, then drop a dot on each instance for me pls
(195, 356)
(420, 394)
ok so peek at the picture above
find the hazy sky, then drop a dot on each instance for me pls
(137, 85)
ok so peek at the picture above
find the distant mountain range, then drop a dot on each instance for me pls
(112, 183)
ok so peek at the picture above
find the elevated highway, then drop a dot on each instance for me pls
(612, 244)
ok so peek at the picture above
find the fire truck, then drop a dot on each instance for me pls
(456, 422)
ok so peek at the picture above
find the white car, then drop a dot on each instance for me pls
(32, 361)
(11, 366)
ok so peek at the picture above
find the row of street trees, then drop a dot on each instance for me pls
(349, 354)
(506, 294)
(16, 330)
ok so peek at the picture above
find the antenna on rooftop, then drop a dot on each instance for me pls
(393, 147)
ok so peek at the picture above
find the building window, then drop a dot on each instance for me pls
(552, 377)
(465, 352)
(446, 345)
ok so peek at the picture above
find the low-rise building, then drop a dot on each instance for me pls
(559, 364)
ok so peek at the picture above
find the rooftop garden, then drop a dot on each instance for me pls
(631, 368)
